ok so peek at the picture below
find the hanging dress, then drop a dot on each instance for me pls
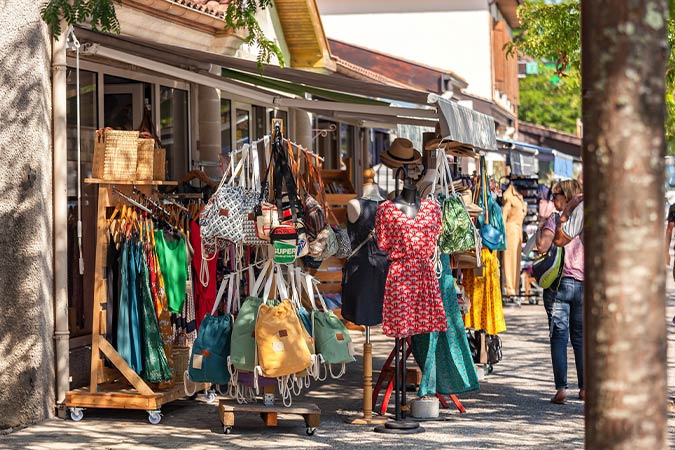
(160, 302)
(204, 296)
(445, 357)
(364, 274)
(173, 263)
(485, 293)
(155, 363)
(129, 326)
(412, 298)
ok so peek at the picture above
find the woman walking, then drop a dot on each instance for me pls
(565, 312)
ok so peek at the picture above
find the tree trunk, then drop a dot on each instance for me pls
(623, 73)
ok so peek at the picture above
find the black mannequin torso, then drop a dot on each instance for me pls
(408, 200)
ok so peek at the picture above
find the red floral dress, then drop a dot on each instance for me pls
(412, 296)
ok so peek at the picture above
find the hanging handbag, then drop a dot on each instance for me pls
(280, 340)
(242, 355)
(284, 239)
(222, 219)
(458, 232)
(344, 245)
(492, 237)
(331, 337)
(209, 356)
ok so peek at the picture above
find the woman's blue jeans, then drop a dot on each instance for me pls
(567, 322)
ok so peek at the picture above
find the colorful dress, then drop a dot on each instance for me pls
(412, 298)
(445, 358)
(160, 302)
(485, 293)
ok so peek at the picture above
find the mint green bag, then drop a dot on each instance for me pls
(243, 350)
(331, 337)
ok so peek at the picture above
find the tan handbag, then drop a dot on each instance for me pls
(281, 342)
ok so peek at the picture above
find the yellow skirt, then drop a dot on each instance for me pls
(485, 293)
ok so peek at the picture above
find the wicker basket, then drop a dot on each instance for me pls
(159, 164)
(145, 159)
(121, 149)
(181, 359)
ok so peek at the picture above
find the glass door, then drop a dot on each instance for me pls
(123, 105)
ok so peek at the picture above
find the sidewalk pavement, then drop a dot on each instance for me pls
(511, 411)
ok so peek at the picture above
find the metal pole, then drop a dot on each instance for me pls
(397, 379)
(623, 72)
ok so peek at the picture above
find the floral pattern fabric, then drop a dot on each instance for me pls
(412, 298)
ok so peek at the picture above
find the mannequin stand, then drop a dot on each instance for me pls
(386, 369)
(400, 426)
(367, 418)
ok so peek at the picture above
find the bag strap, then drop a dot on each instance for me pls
(360, 246)
(261, 278)
(281, 285)
(221, 291)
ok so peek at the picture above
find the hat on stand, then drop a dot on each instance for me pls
(399, 153)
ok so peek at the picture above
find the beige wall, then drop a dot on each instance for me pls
(26, 283)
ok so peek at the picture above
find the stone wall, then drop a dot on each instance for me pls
(26, 273)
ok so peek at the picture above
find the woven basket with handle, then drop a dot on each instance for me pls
(145, 159)
(121, 150)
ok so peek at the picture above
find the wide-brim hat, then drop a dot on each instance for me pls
(399, 153)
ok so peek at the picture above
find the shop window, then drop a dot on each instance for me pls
(88, 124)
(173, 123)
(283, 115)
(81, 287)
(123, 102)
(259, 126)
(225, 125)
(243, 127)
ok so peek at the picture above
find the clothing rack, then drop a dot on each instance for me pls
(119, 386)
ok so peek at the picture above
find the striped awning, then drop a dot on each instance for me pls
(464, 125)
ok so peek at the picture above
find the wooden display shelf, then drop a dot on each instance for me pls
(269, 414)
(116, 396)
(119, 387)
(133, 182)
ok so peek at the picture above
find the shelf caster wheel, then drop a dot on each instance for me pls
(227, 430)
(310, 431)
(210, 395)
(154, 417)
(76, 414)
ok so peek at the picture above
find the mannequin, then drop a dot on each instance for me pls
(371, 191)
(514, 212)
(408, 200)
(363, 279)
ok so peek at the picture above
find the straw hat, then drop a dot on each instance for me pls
(400, 152)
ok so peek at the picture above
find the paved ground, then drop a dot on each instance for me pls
(511, 411)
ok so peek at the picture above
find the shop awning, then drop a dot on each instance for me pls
(366, 103)
(465, 125)
(561, 164)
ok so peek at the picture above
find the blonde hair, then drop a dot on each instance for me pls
(570, 188)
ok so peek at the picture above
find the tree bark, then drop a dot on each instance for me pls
(623, 77)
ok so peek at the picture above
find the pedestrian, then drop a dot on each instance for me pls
(566, 311)
(548, 215)
(669, 235)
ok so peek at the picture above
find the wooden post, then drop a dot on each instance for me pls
(623, 70)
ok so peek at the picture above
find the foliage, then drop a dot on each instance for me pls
(552, 31)
(102, 17)
(552, 101)
(99, 13)
(241, 14)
